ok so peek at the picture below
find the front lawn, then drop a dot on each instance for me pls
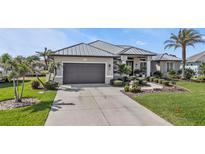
(26, 116)
(178, 108)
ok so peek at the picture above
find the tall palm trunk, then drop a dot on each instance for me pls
(22, 89)
(15, 91)
(183, 60)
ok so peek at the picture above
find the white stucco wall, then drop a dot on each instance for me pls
(108, 61)
(162, 66)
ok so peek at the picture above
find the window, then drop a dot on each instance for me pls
(143, 66)
(169, 66)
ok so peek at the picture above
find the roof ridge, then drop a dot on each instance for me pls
(124, 50)
(106, 43)
(100, 49)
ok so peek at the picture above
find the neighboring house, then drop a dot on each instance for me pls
(195, 61)
(164, 63)
(95, 62)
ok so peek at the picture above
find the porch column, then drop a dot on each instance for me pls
(148, 66)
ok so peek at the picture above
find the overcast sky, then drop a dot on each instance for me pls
(26, 41)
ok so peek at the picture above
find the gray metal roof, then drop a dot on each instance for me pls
(106, 46)
(197, 57)
(83, 49)
(101, 48)
(120, 49)
(136, 51)
(165, 57)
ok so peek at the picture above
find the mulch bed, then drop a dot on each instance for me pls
(10, 104)
(164, 89)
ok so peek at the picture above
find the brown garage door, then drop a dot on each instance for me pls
(79, 73)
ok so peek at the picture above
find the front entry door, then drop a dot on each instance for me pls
(130, 63)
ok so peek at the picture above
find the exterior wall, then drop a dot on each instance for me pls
(108, 61)
(162, 66)
(194, 66)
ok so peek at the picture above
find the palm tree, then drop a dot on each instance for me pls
(19, 69)
(184, 38)
(4, 60)
(34, 64)
(53, 66)
(46, 56)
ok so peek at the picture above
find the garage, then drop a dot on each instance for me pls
(83, 73)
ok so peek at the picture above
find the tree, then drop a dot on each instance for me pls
(202, 69)
(46, 56)
(34, 64)
(19, 69)
(5, 61)
(52, 69)
(184, 38)
(124, 69)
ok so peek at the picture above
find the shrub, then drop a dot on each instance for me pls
(172, 74)
(157, 74)
(126, 88)
(166, 83)
(135, 89)
(144, 82)
(173, 82)
(137, 71)
(141, 80)
(151, 79)
(35, 84)
(156, 80)
(189, 73)
(51, 85)
(136, 82)
(118, 83)
(201, 78)
(160, 81)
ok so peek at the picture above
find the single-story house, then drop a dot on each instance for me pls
(195, 61)
(95, 62)
(164, 63)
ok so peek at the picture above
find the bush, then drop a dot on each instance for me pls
(173, 82)
(134, 89)
(136, 82)
(157, 74)
(126, 88)
(51, 85)
(166, 83)
(156, 80)
(172, 74)
(35, 84)
(189, 73)
(118, 83)
(201, 78)
(137, 71)
(160, 81)
(151, 79)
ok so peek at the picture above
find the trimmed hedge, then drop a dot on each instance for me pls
(166, 83)
(118, 83)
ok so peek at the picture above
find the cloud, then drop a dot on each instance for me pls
(141, 42)
(203, 37)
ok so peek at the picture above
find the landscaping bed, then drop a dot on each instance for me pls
(10, 104)
(156, 90)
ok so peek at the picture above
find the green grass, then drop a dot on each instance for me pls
(178, 108)
(34, 115)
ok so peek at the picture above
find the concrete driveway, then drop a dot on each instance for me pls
(99, 105)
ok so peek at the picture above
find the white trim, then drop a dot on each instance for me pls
(106, 65)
